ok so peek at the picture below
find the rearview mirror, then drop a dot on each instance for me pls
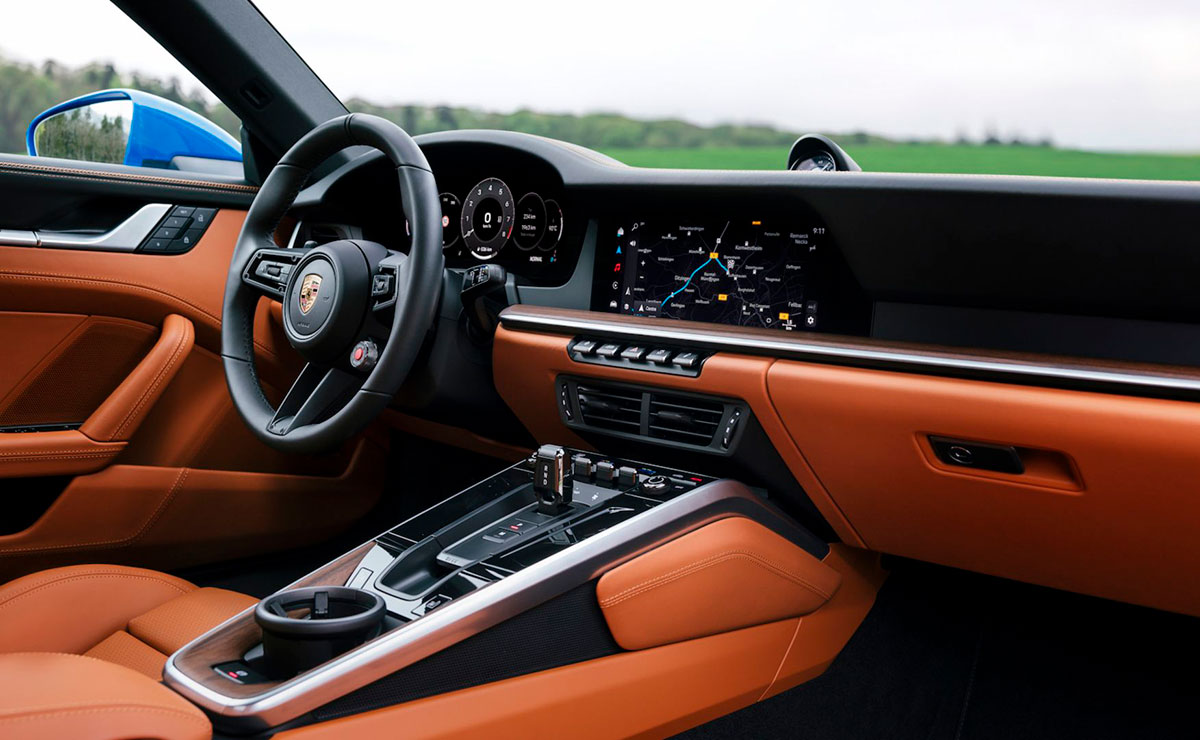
(134, 128)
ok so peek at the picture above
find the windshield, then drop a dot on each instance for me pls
(1074, 88)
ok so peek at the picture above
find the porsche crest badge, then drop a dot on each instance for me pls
(309, 288)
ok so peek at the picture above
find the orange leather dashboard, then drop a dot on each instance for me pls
(1107, 505)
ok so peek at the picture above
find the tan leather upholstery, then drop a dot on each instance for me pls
(730, 574)
(67, 452)
(131, 616)
(121, 413)
(174, 624)
(51, 696)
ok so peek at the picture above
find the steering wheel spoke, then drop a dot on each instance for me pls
(316, 391)
(269, 270)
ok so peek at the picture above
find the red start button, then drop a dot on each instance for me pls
(358, 353)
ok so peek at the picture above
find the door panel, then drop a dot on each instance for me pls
(163, 474)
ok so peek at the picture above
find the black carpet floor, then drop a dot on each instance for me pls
(947, 655)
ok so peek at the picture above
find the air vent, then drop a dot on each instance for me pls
(614, 409)
(650, 415)
(689, 420)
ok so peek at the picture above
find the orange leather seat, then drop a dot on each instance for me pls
(129, 616)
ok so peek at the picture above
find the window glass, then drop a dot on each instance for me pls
(1087, 88)
(157, 115)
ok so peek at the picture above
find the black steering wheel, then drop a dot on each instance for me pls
(356, 311)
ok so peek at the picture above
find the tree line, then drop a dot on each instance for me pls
(27, 89)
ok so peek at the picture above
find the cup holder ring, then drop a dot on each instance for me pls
(305, 627)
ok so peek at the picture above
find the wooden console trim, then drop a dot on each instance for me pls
(231, 640)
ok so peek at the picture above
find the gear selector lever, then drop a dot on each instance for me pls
(548, 465)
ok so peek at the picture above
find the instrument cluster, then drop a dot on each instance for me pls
(503, 208)
(491, 217)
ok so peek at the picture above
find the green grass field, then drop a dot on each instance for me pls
(992, 160)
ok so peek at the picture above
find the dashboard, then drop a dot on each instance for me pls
(988, 263)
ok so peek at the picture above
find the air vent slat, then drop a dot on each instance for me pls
(610, 408)
(687, 420)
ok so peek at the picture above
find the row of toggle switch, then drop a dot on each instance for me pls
(637, 356)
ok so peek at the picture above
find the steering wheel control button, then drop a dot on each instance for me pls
(364, 355)
(659, 356)
(634, 353)
(608, 351)
(381, 286)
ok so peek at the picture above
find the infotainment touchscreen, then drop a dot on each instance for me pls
(743, 272)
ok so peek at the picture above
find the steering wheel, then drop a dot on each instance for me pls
(356, 311)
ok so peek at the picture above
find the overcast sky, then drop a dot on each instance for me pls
(1095, 74)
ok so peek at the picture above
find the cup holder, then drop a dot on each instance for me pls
(305, 627)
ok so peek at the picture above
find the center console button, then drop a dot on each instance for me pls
(654, 484)
(585, 346)
(634, 353)
(686, 360)
(609, 351)
(581, 466)
(501, 534)
(605, 471)
(627, 476)
(659, 356)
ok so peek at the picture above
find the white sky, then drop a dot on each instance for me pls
(1104, 74)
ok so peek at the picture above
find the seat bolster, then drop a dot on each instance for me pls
(124, 649)
(51, 695)
(172, 625)
(71, 609)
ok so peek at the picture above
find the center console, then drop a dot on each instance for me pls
(525, 537)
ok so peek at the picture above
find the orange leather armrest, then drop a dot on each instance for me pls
(125, 408)
(54, 695)
(727, 575)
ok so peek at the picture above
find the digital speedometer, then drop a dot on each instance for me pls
(488, 213)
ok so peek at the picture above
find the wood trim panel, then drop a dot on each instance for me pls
(241, 633)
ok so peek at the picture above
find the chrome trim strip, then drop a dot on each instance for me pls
(18, 238)
(788, 347)
(477, 611)
(125, 237)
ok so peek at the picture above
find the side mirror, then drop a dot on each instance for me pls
(134, 128)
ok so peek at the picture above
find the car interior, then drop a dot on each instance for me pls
(485, 434)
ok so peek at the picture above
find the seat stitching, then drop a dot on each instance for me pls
(76, 172)
(711, 561)
(36, 713)
(93, 576)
